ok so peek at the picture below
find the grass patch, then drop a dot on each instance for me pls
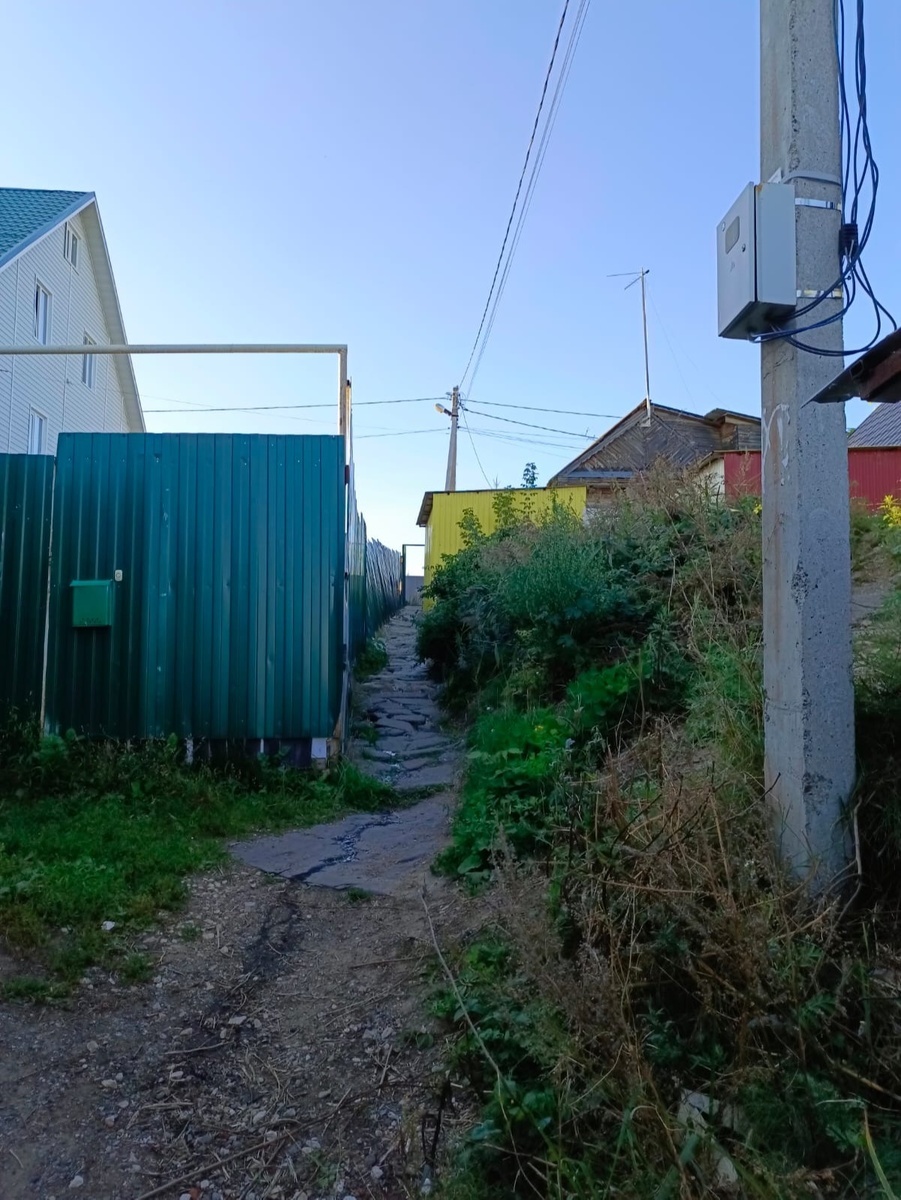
(875, 541)
(371, 659)
(365, 731)
(357, 895)
(136, 968)
(92, 833)
(31, 990)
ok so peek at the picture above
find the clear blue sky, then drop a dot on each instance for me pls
(343, 172)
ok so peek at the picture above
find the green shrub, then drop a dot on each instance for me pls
(536, 604)
(371, 659)
(878, 734)
(646, 947)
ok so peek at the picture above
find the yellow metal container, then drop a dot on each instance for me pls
(442, 512)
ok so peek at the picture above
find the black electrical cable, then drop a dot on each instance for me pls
(560, 412)
(525, 165)
(527, 424)
(562, 78)
(860, 174)
(284, 407)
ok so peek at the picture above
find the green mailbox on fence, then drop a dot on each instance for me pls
(92, 603)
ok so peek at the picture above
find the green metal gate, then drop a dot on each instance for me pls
(218, 560)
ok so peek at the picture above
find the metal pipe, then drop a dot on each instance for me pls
(201, 348)
(212, 348)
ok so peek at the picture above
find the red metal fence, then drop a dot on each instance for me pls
(873, 474)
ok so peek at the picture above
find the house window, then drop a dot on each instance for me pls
(88, 364)
(71, 245)
(37, 432)
(41, 314)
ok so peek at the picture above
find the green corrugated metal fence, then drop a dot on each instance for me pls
(225, 557)
(356, 573)
(226, 621)
(384, 587)
(374, 580)
(26, 494)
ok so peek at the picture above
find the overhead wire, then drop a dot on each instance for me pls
(474, 450)
(528, 424)
(549, 439)
(400, 433)
(525, 165)
(562, 78)
(287, 407)
(550, 449)
(524, 440)
(860, 174)
(560, 412)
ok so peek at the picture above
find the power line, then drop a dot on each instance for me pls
(859, 173)
(560, 412)
(474, 450)
(550, 450)
(515, 439)
(525, 165)
(530, 425)
(402, 433)
(574, 39)
(508, 435)
(285, 407)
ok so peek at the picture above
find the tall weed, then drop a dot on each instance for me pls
(665, 1012)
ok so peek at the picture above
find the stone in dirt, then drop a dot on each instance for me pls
(394, 728)
(413, 764)
(414, 743)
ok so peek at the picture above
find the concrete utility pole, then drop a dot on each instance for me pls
(450, 483)
(809, 699)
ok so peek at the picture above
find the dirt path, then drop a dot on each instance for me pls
(281, 1049)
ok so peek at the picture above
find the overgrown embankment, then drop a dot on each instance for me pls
(658, 1010)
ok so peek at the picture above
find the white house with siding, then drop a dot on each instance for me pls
(57, 287)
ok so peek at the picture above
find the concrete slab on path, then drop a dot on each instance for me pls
(386, 853)
(442, 775)
(414, 743)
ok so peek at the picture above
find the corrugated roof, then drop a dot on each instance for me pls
(28, 213)
(680, 437)
(881, 428)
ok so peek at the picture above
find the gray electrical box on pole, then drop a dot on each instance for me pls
(809, 699)
(756, 260)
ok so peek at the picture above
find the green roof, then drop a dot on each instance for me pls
(28, 213)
